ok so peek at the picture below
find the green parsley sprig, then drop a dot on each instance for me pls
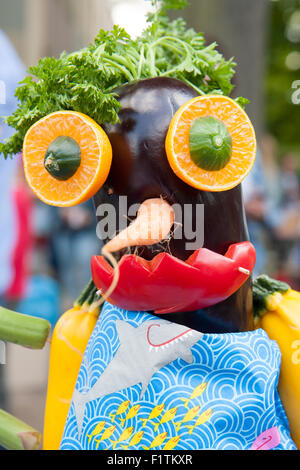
(85, 80)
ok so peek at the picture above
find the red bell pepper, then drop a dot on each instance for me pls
(167, 284)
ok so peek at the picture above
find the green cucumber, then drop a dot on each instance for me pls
(27, 331)
(16, 435)
(210, 143)
(63, 158)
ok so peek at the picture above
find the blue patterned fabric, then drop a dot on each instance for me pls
(188, 391)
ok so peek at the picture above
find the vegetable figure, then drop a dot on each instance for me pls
(133, 89)
(147, 119)
(277, 309)
(29, 332)
(68, 344)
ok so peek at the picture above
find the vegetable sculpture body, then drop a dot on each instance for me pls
(277, 309)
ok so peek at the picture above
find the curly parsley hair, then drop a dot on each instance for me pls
(85, 80)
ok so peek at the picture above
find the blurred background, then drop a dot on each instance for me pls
(45, 252)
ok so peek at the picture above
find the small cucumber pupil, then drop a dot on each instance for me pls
(63, 158)
(210, 143)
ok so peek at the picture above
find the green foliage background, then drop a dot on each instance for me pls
(282, 116)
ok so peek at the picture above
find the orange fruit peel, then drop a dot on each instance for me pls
(182, 147)
(90, 170)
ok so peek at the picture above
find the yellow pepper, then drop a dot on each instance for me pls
(68, 344)
(278, 312)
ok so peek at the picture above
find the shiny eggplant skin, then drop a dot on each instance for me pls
(140, 170)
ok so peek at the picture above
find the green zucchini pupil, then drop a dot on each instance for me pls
(210, 143)
(63, 158)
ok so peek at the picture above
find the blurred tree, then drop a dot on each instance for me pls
(282, 115)
(239, 27)
(47, 27)
(75, 22)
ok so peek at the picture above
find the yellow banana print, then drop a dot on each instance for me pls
(122, 408)
(201, 420)
(189, 416)
(168, 416)
(97, 430)
(195, 394)
(131, 414)
(136, 439)
(157, 410)
(124, 436)
(157, 441)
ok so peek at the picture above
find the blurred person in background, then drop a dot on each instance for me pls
(288, 231)
(11, 72)
(271, 195)
(21, 253)
(290, 181)
(74, 242)
(256, 203)
(269, 157)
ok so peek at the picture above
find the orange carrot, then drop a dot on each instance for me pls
(153, 223)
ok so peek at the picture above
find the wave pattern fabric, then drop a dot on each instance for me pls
(146, 383)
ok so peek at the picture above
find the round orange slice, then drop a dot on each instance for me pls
(67, 158)
(211, 143)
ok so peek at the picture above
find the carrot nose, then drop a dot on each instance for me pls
(153, 223)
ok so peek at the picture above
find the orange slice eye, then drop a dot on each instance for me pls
(211, 143)
(67, 158)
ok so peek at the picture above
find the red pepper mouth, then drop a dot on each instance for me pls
(166, 284)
